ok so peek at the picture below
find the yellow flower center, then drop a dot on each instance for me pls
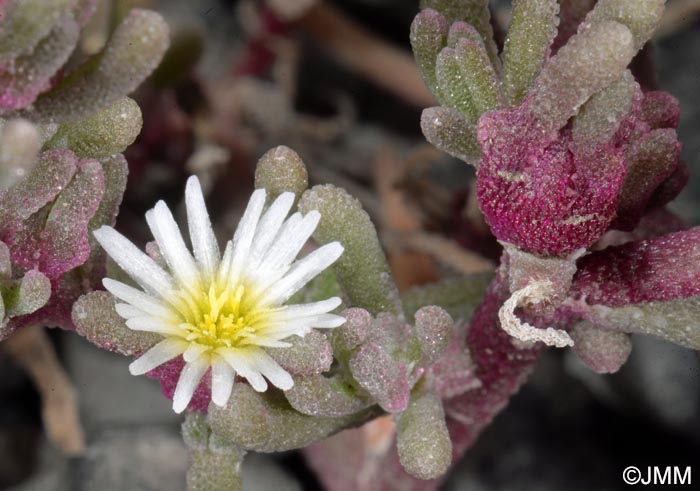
(222, 317)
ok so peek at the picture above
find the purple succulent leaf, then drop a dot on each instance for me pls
(383, 377)
(655, 270)
(5, 261)
(453, 373)
(95, 319)
(674, 320)
(30, 74)
(358, 323)
(49, 177)
(502, 368)
(317, 395)
(115, 170)
(434, 329)
(669, 188)
(308, 355)
(535, 193)
(64, 239)
(660, 110)
(648, 287)
(602, 351)
(338, 461)
(651, 159)
(57, 312)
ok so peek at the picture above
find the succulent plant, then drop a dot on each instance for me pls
(571, 156)
(575, 163)
(374, 363)
(61, 131)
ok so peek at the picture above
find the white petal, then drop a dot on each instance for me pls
(268, 228)
(307, 309)
(222, 377)
(269, 343)
(241, 361)
(285, 331)
(172, 246)
(155, 324)
(137, 298)
(243, 238)
(255, 380)
(206, 249)
(328, 321)
(294, 234)
(300, 327)
(134, 262)
(277, 375)
(127, 311)
(225, 264)
(302, 272)
(194, 351)
(188, 382)
(164, 351)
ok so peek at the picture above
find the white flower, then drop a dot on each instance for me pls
(222, 312)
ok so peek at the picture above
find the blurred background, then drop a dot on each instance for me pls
(335, 81)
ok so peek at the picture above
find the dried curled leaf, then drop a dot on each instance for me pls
(534, 292)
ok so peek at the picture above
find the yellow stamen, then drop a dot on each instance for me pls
(221, 317)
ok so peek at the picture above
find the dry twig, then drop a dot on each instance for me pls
(31, 349)
(366, 54)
